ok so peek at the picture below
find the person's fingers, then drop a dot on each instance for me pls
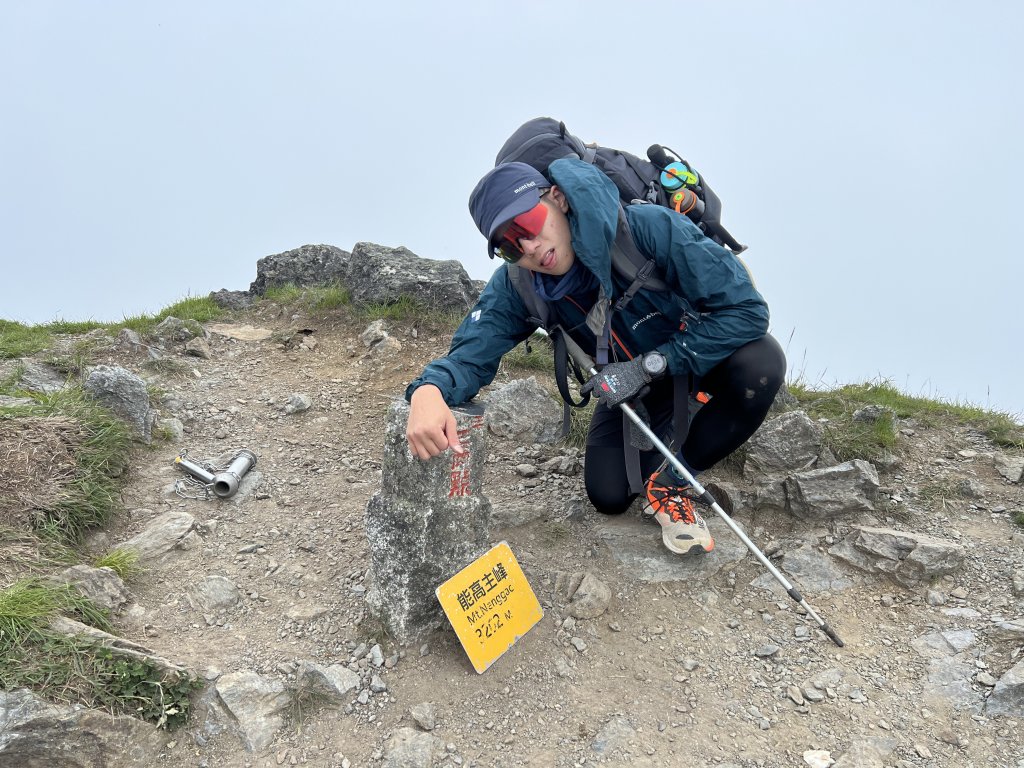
(451, 429)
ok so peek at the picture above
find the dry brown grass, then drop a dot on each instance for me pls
(37, 462)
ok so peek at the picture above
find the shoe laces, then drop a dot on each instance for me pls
(672, 500)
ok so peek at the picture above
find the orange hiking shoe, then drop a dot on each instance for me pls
(683, 530)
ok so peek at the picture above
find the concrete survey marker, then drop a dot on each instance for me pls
(490, 605)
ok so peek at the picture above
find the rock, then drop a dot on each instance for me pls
(381, 275)
(172, 428)
(912, 559)
(523, 411)
(429, 520)
(615, 734)
(1010, 467)
(375, 333)
(424, 715)
(232, 300)
(379, 341)
(163, 534)
(32, 376)
(861, 754)
(125, 394)
(305, 266)
(812, 570)
(591, 598)
(214, 594)
(36, 734)
(871, 414)
(409, 748)
(818, 758)
(787, 443)
(101, 586)
(171, 329)
(1008, 694)
(333, 682)
(297, 403)
(198, 347)
(846, 489)
(256, 706)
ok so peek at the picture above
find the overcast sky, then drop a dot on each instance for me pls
(869, 153)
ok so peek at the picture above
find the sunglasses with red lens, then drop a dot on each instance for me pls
(525, 226)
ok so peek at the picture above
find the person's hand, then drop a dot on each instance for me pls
(618, 382)
(431, 428)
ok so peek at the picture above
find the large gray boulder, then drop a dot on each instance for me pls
(429, 520)
(788, 443)
(912, 559)
(845, 489)
(381, 275)
(36, 734)
(304, 266)
(125, 394)
(1008, 695)
(523, 411)
(253, 706)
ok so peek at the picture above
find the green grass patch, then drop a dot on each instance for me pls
(850, 439)
(532, 355)
(123, 562)
(27, 606)
(76, 669)
(317, 298)
(92, 495)
(404, 308)
(17, 340)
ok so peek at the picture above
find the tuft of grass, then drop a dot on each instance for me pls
(404, 308)
(27, 606)
(849, 437)
(17, 340)
(533, 354)
(92, 495)
(76, 669)
(288, 293)
(123, 562)
(167, 366)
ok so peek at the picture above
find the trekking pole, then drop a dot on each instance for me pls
(585, 362)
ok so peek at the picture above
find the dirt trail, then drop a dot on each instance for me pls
(694, 670)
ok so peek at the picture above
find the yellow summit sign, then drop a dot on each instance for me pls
(490, 605)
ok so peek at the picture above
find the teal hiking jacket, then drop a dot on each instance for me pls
(710, 310)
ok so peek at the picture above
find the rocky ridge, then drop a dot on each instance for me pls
(641, 659)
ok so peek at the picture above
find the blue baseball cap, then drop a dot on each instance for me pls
(503, 193)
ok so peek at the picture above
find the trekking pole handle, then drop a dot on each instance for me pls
(585, 361)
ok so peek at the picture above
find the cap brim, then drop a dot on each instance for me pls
(523, 203)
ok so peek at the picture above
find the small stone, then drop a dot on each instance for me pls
(794, 694)
(935, 597)
(424, 715)
(923, 752)
(959, 593)
(984, 678)
(377, 685)
(767, 651)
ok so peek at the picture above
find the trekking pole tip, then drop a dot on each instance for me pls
(832, 635)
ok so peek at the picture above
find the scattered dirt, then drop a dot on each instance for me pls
(703, 668)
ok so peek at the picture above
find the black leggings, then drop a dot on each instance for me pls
(742, 389)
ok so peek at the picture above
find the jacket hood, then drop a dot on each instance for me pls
(593, 214)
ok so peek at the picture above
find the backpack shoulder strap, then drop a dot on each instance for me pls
(522, 282)
(627, 260)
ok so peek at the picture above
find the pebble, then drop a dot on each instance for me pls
(923, 752)
(935, 597)
(767, 651)
(377, 685)
(794, 694)
(424, 715)
(579, 644)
